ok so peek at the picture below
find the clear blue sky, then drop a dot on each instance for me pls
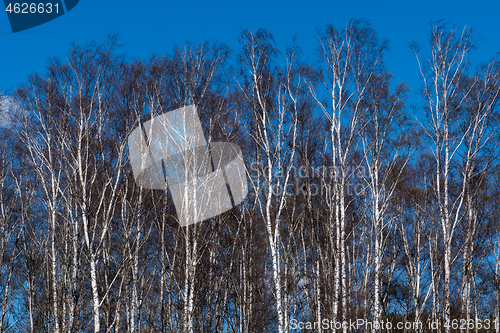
(153, 26)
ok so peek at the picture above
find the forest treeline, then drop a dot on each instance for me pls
(363, 205)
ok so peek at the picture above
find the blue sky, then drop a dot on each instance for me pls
(153, 26)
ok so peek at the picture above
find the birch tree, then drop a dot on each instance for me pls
(273, 96)
(349, 60)
(441, 80)
(70, 144)
(478, 123)
(385, 132)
